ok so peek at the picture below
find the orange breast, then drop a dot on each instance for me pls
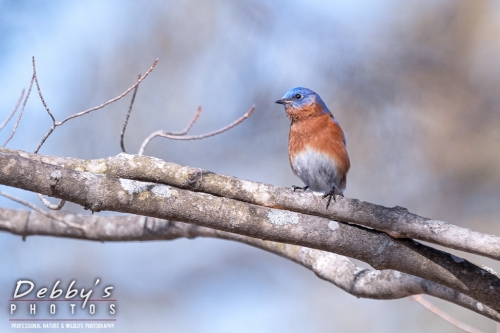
(320, 133)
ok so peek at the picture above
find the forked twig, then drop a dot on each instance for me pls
(50, 205)
(58, 123)
(13, 111)
(181, 135)
(20, 113)
(191, 123)
(437, 311)
(41, 211)
(128, 116)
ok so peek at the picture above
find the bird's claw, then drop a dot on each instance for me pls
(330, 195)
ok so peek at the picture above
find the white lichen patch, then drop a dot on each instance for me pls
(457, 259)
(160, 164)
(6, 169)
(162, 191)
(125, 156)
(260, 192)
(133, 186)
(97, 166)
(437, 226)
(333, 225)
(479, 306)
(249, 186)
(128, 159)
(56, 175)
(397, 274)
(282, 217)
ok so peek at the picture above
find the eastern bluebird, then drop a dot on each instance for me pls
(316, 143)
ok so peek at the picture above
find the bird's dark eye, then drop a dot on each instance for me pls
(297, 96)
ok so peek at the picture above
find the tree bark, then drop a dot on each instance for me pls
(100, 192)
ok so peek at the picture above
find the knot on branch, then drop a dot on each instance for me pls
(54, 178)
(194, 178)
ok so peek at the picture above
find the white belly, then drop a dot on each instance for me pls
(318, 171)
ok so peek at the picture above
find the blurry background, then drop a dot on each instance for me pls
(414, 84)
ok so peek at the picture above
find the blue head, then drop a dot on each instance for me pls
(298, 98)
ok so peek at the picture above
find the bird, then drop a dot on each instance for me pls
(316, 144)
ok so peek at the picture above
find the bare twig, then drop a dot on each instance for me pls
(41, 211)
(40, 91)
(20, 113)
(111, 100)
(437, 311)
(45, 137)
(50, 205)
(122, 134)
(59, 123)
(191, 123)
(181, 136)
(13, 111)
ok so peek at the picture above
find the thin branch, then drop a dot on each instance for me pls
(20, 113)
(97, 192)
(40, 91)
(59, 123)
(122, 134)
(50, 205)
(177, 136)
(191, 123)
(114, 99)
(45, 137)
(437, 311)
(13, 111)
(41, 211)
(337, 269)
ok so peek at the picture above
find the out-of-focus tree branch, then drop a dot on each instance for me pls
(337, 269)
(100, 192)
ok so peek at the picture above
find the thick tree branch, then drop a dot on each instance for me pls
(397, 221)
(98, 192)
(339, 270)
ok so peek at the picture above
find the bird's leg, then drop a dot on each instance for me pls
(294, 187)
(330, 195)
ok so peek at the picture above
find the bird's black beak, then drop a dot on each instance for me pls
(280, 101)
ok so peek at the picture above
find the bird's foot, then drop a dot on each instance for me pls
(330, 195)
(294, 188)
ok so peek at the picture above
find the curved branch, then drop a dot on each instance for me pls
(339, 270)
(397, 221)
(20, 113)
(13, 111)
(97, 192)
(127, 116)
(50, 205)
(59, 123)
(181, 136)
